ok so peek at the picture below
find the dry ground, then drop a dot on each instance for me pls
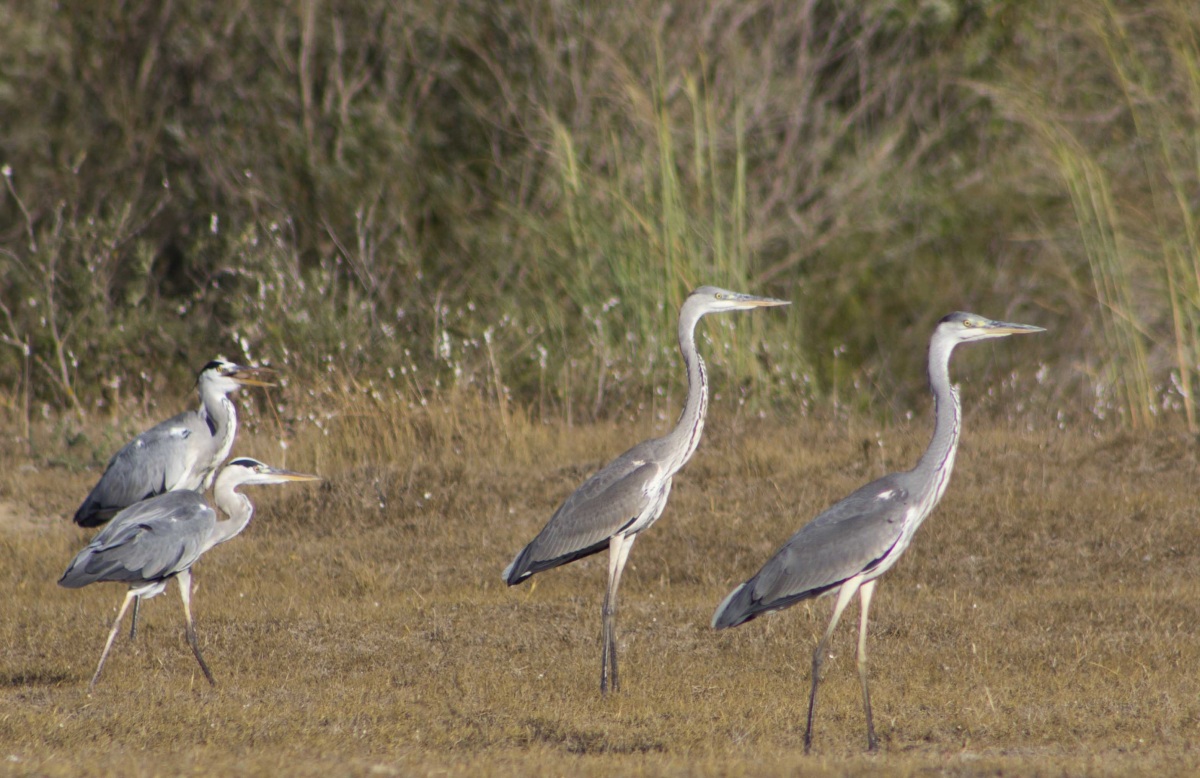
(1043, 621)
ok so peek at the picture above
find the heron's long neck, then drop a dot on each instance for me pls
(938, 460)
(218, 412)
(236, 506)
(683, 440)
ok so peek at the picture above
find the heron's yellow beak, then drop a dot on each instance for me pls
(1011, 328)
(253, 376)
(766, 302)
(288, 475)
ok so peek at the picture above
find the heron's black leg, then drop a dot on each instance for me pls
(618, 553)
(864, 594)
(112, 634)
(845, 594)
(185, 592)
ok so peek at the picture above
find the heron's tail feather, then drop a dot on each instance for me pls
(518, 570)
(93, 514)
(737, 608)
(76, 575)
(532, 560)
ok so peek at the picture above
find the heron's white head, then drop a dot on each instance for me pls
(712, 299)
(245, 471)
(226, 377)
(961, 327)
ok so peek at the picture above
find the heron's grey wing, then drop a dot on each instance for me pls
(161, 459)
(605, 504)
(151, 540)
(852, 536)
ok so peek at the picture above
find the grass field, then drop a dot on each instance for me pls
(1043, 622)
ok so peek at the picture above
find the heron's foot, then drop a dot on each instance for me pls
(609, 683)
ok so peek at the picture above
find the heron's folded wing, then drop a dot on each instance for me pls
(156, 461)
(148, 541)
(605, 504)
(852, 536)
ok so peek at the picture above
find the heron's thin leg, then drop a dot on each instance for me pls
(112, 634)
(864, 595)
(845, 594)
(618, 553)
(185, 592)
(133, 618)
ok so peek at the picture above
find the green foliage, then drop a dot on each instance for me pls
(512, 200)
(1118, 126)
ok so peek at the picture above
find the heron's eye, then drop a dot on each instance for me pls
(968, 322)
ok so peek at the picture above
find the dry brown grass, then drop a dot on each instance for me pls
(1043, 621)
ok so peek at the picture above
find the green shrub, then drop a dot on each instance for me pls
(513, 199)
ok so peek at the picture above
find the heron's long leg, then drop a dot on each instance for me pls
(618, 553)
(864, 595)
(112, 634)
(845, 594)
(185, 592)
(133, 618)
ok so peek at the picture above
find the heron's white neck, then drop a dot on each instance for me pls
(219, 413)
(685, 437)
(938, 460)
(233, 504)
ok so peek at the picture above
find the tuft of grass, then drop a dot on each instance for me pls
(1117, 127)
(654, 216)
(1127, 368)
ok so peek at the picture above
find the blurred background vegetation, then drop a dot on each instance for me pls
(414, 200)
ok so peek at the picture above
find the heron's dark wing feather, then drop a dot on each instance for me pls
(851, 537)
(605, 504)
(168, 456)
(151, 540)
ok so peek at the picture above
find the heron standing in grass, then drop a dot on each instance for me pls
(155, 540)
(182, 452)
(845, 549)
(629, 494)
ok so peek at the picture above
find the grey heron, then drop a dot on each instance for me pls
(155, 540)
(182, 452)
(845, 549)
(624, 498)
